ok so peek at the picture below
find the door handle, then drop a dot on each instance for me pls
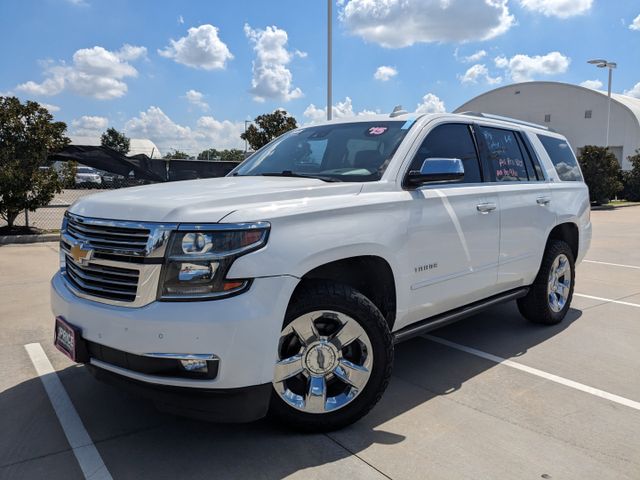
(486, 207)
(543, 201)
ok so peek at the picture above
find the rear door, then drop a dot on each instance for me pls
(524, 199)
(454, 229)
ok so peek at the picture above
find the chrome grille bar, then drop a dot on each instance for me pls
(112, 267)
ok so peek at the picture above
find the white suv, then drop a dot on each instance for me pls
(284, 286)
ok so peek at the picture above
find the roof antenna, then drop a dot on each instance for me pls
(397, 111)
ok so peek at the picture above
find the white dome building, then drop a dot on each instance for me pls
(578, 113)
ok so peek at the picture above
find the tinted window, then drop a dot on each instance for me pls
(350, 152)
(505, 158)
(531, 161)
(562, 158)
(450, 141)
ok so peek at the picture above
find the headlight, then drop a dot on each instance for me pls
(200, 256)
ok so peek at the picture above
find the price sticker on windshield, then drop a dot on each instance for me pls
(375, 131)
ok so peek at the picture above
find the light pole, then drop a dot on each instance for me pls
(246, 144)
(329, 35)
(610, 65)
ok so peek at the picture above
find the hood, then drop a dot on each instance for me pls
(205, 200)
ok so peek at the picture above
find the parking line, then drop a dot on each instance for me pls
(539, 373)
(608, 300)
(83, 448)
(613, 264)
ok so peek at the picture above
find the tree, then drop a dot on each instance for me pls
(115, 140)
(631, 179)
(176, 155)
(209, 154)
(27, 135)
(601, 172)
(68, 174)
(269, 126)
(230, 155)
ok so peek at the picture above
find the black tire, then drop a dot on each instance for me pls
(323, 295)
(535, 306)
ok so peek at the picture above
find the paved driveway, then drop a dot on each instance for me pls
(491, 397)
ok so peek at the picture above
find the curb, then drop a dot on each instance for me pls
(46, 237)
(613, 207)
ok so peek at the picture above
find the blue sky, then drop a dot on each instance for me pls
(239, 59)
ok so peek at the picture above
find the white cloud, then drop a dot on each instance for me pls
(196, 98)
(635, 25)
(474, 57)
(89, 125)
(634, 92)
(180, 19)
(430, 104)
(129, 53)
(339, 110)
(50, 107)
(400, 23)
(522, 68)
(94, 72)
(384, 73)
(201, 48)
(271, 77)
(479, 72)
(78, 3)
(593, 84)
(168, 135)
(558, 8)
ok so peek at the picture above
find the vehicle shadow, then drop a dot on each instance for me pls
(136, 441)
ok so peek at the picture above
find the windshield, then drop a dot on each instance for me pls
(349, 152)
(85, 170)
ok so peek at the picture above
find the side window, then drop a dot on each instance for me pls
(534, 157)
(562, 158)
(452, 140)
(505, 157)
(531, 161)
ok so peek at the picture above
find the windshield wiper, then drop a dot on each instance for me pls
(289, 173)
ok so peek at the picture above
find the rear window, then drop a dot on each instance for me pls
(562, 158)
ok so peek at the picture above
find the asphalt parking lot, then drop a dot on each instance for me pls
(564, 405)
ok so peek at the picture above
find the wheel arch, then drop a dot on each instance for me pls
(569, 233)
(371, 275)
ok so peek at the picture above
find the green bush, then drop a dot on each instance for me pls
(601, 172)
(631, 179)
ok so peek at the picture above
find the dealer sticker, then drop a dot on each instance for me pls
(374, 131)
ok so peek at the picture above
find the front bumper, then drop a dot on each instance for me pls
(236, 405)
(242, 331)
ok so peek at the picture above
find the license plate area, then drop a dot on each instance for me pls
(68, 339)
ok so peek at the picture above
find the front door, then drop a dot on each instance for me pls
(454, 229)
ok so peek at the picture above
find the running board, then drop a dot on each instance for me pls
(451, 316)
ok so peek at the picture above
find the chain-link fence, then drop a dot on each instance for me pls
(50, 216)
(89, 181)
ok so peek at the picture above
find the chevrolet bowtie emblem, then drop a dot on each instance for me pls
(81, 255)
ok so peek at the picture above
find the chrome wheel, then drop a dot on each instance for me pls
(559, 283)
(324, 362)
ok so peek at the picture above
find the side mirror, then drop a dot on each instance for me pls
(436, 170)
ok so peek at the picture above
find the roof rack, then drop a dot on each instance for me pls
(491, 116)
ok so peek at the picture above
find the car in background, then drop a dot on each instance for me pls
(87, 177)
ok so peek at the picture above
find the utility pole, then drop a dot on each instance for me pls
(600, 63)
(329, 59)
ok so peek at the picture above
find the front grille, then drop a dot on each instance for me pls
(108, 237)
(103, 281)
(117, 262)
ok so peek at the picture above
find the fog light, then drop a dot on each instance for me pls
(193, 365)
